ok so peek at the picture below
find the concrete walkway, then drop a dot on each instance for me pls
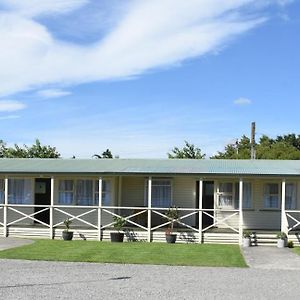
(6, 243)
(269, 258)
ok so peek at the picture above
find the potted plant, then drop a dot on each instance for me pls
(172, 214)
(281, 239)
(119, 223)
(67, 235)
(246, 238)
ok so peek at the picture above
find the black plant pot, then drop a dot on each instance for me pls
(171, 238)
(67, 235)
(117, 237)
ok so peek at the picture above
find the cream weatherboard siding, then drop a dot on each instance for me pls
(93, 216)
(258, 217)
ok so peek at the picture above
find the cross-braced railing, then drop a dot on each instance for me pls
(16, 208)
(64, 211)
(188, 213)
(293, 222)
(101, 217)
(217, 220)
(136, 212)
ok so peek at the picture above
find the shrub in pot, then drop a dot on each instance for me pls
(246, 238)
(173, 215)
(281, 240)
(67, 235)
(118, 237)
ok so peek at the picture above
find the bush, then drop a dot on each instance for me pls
(290, 244)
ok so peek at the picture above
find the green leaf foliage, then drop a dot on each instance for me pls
(188, 151)
(37, 150)
(282, 147)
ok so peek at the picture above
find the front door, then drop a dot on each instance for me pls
(207, 201)
(42, 197)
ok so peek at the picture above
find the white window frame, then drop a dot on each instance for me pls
(272, 194)
(153, 185)
(95, 191)
(2, 190)
(294, 201)
(220, 194)
(32, 189)
(234, 194)
(67, 191)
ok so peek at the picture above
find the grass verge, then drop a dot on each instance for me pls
(130, 253)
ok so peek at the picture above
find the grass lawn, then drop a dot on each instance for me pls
(297, 250)
(130, 253)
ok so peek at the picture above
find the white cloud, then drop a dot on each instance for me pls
(40, 7)
(150, 34)
(242, 101)
(9, 117)
(53, 93)
(11, 105)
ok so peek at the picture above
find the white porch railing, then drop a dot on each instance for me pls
(136, 216)
(292, 221)
(32, 216)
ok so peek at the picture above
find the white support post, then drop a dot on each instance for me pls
(149, 208)
(100, 209)
(51, 209)
(241, 220)
(200, 201)
(5, 207)
(284, 226)
(120, 193)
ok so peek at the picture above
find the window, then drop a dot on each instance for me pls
(2, 191)
(20, 191)
(84, 192)
(271, 195)
(106, 192)
(66, 192)
(290, 196)
(229, 194)
(161, 193)
(247, 195)
(226, 194)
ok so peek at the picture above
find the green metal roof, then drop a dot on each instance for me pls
(150, 166)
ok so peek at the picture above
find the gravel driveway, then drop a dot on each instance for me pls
(56, 280)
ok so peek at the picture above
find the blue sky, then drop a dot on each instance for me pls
(140, 77)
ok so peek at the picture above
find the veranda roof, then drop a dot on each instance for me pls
(150, 166)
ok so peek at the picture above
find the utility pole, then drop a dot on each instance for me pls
(253, 153)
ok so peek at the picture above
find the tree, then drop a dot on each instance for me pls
(282, 147)
(105, 154)
(188, 151)
(35, 151)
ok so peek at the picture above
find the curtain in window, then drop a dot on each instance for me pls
(66, 192)
(1, 191)
(106, 192)
(161, 193)
(290, 196)
(271, 195)
(84, 192)
(20, 191)
(226, 194)
(247, 195)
